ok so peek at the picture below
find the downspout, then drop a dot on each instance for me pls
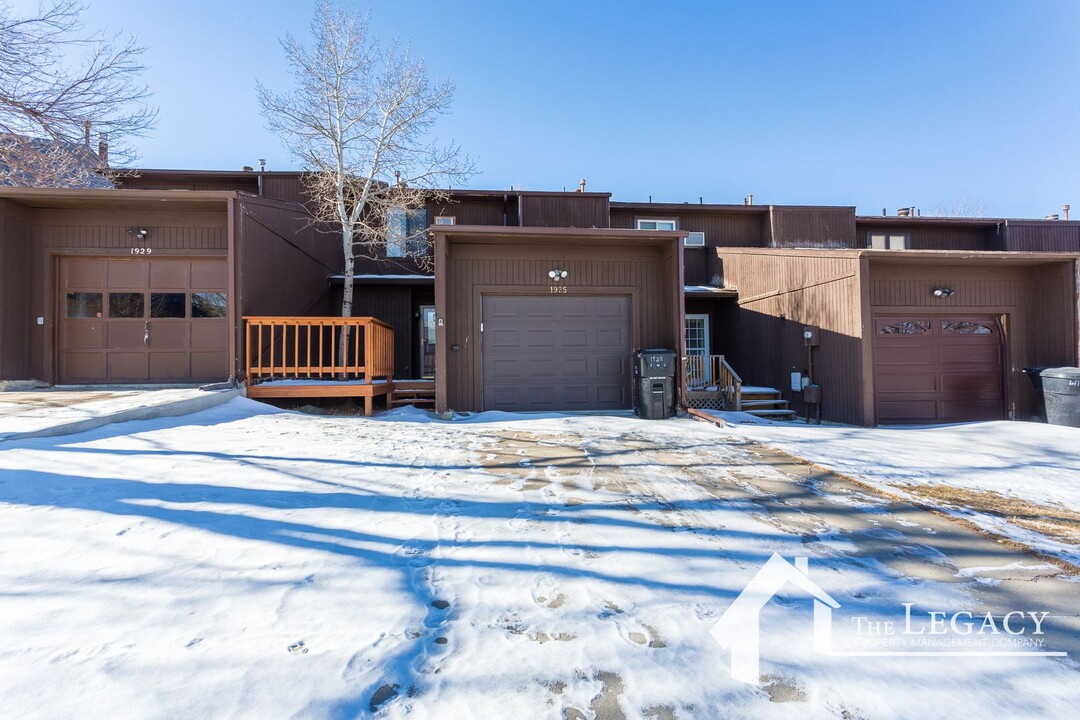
(233, 300)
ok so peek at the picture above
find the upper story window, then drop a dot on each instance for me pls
(445, 220)
(888, 241)
(651, 224)
(695, 239)
(406, 232)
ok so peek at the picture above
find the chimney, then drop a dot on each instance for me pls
(1065, 211)
(582, 188)
(262, 164)
(103, 151)
(86, 133)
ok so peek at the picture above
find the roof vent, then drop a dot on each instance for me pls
(581, 188)
(903, 212)
(1065, 211)
(1051, 217)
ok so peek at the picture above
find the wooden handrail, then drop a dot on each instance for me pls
(317, 348)
(713, 371)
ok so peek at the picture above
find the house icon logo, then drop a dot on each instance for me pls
(739, 627)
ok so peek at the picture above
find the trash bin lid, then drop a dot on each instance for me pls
(1065, 373)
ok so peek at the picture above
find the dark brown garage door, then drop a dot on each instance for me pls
(556, 353)
(937, 369)
(142, 320)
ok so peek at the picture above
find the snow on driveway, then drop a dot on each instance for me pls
(1033, 467)
(245, 562)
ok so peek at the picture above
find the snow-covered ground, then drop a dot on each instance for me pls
(246, 562)
(1033, 462)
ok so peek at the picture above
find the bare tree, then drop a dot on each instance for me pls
(48, 106)
(358, 118)
(962, 206)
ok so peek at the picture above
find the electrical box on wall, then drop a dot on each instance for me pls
(812, 394)
(811, 336)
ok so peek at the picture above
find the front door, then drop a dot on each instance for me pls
(697, 349)
(427, 341)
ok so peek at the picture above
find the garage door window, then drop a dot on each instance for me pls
(168, 305)
(84, 305)
(904, 327)
(126, 305)
(964, 327)
(207, 305)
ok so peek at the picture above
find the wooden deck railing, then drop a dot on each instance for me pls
(712, 372)
(318, 348)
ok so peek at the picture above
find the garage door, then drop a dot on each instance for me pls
(556, 353)
(142, 321)
(937, 369)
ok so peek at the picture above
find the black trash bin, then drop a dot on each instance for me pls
(1061, 393)
(654, 384)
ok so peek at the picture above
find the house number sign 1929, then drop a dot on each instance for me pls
(141, 250)
(558, 289)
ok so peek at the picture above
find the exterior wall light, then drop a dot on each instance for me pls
(943, 292)
(557, 275)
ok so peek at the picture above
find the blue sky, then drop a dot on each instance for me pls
(868, 103)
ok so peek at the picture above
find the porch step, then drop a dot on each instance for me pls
(416, 393)
(766, 402)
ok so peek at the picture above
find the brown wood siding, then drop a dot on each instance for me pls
(558, 210)
(287, 188)
(813, 227)
(721, 230)
(740, 229)
(1036, 301)
(283, 264)
(16, 267)
(472, 269)
(156, 183)
(936, 238)
(473, 211)
(778, 296)
(1042, 236)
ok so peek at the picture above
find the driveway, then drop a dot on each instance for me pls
(249, 562)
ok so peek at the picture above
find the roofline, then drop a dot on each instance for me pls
(22, 194)
(206, 173)
(516, 231)
(928, 255)
(942, 220)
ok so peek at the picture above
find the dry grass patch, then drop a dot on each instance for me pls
(1056, 522)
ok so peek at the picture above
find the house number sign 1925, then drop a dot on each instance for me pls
(141, 251)
(558, 289)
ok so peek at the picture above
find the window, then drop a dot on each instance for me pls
(126, 305)
(207, 305)
(83, 305)
(657, 225)
(168, 305)
(887, 241)
(697, 334)
(695, 239)
(406, 232)
(446, 220)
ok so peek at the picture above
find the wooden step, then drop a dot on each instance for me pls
(763, 404)
(771, 413)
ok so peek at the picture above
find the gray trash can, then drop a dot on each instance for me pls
(1061, 392)
(654, 384)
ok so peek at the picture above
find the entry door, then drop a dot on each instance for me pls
(127, 320)
(938, 369)
(697, 346)
(556, 353)
(427, 341)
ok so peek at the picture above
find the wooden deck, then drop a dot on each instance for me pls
(317, 357)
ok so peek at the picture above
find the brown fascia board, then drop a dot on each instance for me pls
(913, 257)
(713, 207)
(496, 233)
(204, 174)
(64, 197)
